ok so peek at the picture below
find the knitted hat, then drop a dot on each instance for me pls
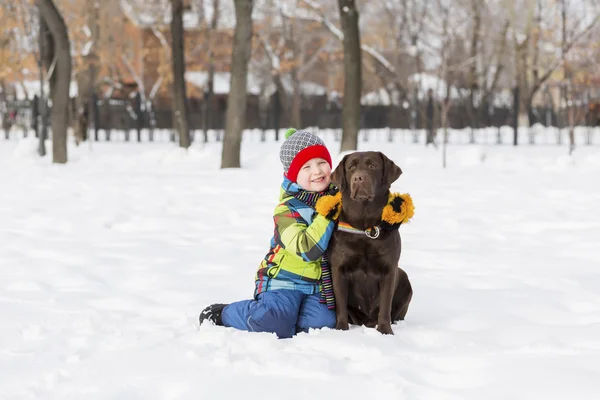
(298, 148)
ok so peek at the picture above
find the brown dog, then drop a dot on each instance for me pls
(370, 289)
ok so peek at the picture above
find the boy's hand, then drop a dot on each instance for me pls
(330, 206)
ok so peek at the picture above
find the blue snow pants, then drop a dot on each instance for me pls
(281, 311)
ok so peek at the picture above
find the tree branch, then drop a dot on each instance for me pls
(313, 59)
(327, 23)
(135, 77)
(538, 83)
(273, 57)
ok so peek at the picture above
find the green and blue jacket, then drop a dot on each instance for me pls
(300, 238)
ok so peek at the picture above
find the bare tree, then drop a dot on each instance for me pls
(57, 60)
(476, 6)
(86, 78)
(180, 112)
(444, 74)
(236, 101)
(407, 20)
(536, 59)
(352, 75)
(574, 111)
(274, 56)
(291, 48)
(209, 90)
(156, 15)
(383, 62)
(304, 61)
(493, 66)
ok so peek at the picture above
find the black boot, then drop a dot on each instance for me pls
(213, 314)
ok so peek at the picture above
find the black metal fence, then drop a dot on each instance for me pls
(116, 114)
(129, 114)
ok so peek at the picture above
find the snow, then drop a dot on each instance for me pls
(31, 88)
(379, 57)
(106, 262)
(87, 48)
(221, 83)
(380, 97)
(437, 85)
(190, 19)
(426, 81)
(316, 14)
(146, 14)
(306, 87)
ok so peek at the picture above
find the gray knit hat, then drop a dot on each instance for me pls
(298, 148)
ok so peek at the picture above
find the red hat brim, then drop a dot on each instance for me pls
(307, 154)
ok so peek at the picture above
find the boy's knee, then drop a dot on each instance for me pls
(325, 318)
(331, 319)
(328, 320)
(284, 326)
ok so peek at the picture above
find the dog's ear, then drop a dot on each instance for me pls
(338, 177)
(391, 172)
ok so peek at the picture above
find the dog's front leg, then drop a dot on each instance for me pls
(340, 289)
(387, 284)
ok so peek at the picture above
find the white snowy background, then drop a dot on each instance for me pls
(105, 263)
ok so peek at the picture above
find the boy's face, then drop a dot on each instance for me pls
(314, 175)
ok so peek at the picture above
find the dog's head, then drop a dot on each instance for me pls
(366, 174)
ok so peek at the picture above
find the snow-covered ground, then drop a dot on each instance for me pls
(106, 262)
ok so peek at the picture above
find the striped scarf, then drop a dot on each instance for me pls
(310, 199)
(327, 296)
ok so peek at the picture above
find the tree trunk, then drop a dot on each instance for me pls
(276, 114)
(81, 109)
(568, 76)
(208, 97)
(93, 62)
(209, 90)
(352, 75)
(86, 79)
(296, 76)
(473, 85)
(296, 100)
(283, 99)
(515, 120)
(445, 109)
(236, 101)
(42, 125)
(572, 118)
(60, 78)
(180, 114)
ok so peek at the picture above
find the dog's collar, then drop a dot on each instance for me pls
(398, 210)
(372, 232)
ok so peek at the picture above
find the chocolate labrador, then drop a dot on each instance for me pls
(370, 289)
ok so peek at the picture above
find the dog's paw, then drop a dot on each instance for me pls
(342, 326)
(385, 328)
(330, 206)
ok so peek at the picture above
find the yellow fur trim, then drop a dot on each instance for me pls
(407, 209)
(326, 204)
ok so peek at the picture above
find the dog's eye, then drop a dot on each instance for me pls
(352, 167)
(372, 166)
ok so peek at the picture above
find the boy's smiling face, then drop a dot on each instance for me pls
(314, 175)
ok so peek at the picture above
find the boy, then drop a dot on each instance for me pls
(293, 290)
